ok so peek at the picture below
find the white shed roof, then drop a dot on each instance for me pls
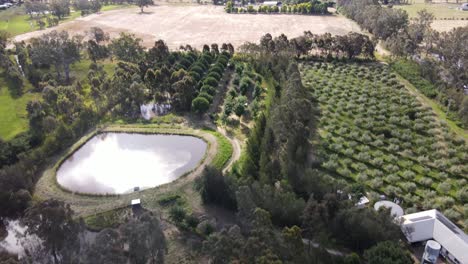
(270, 3)
(362, 201)
(432, 224)
(395, 209)
(136, 201)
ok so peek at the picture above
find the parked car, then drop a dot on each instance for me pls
(464, 7)
(3, 7)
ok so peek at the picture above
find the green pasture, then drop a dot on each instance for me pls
(16, 21)
(13, 115)
(440, 10)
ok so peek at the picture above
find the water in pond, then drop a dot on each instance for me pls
(16, 240)
(117, 162)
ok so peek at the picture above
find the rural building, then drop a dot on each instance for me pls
(395, 209)
(272, 3)
(431, 224)
(136, 203)
(136, 207)
(363, 201)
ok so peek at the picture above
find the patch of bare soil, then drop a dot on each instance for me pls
(200, 24)
(447, 25)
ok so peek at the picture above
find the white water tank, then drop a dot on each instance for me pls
(431, 252)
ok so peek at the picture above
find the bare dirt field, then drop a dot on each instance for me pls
(447, 13)
(447, 25)
(200, 24)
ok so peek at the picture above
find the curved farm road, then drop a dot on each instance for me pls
(236, 149)
(199, 24)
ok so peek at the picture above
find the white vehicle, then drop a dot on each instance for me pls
(464, 7)
(3, 7)
(9, 4)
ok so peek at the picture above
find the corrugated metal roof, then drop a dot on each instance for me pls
(444, 231)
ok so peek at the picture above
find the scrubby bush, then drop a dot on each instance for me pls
(214, 75)
(200, 105)
(210, 81)
(208, 89)
(206, 96)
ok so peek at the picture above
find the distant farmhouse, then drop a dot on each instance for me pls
(272, 3)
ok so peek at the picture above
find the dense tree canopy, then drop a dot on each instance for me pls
(127, 48)
(387, 252)
(52, 221)
(57, 49)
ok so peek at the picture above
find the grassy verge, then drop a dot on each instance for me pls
(108, 219)
(13, 115)
(436, 108)
(224, 152)
(16, 21)
(440, 10)
(410, 76)
(410, 70)
(114, 7)
(80, 69)
(18, 24)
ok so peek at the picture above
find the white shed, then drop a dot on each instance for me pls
(271, 3)
(136, 202)
(395, 209)
(432, 224)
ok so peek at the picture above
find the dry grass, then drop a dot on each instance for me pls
(201, 24)
(447, 15)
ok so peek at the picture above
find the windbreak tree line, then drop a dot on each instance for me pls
(305, 8)
(278, 182)
(60, 9)
(440, 70)
(9, 69)
(354, 46)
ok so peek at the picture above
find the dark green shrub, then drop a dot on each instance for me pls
(411, 71)
(214, 75)
(211, 81)
(195, 75)
(177, 214)
(206, 96)
(208, 89)
(245, 85)
(217, 68)
(198, 69)
(200, 105)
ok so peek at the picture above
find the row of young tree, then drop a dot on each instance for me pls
(440, 56)
(305, 8)
(276, 184)
(62, 8)
(350, 46)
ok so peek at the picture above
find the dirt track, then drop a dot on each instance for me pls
(200, 24)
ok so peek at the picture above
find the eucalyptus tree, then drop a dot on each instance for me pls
(57, 49)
